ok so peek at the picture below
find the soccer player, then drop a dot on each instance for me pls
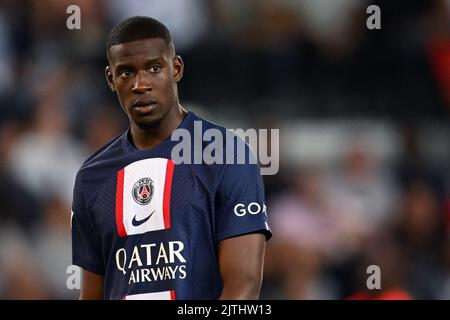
(145, 226)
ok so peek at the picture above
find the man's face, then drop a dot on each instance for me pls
(144, 73)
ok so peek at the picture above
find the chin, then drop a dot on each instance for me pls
(148, 121)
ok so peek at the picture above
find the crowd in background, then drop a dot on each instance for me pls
(310, 68)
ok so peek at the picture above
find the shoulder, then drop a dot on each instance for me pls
(232, 140)
(198, 124)
(207, 124)
(109, 151)
(102, 158)
(233, 154)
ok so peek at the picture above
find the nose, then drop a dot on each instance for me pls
(142, 83)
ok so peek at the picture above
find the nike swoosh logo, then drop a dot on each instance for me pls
(137, 223)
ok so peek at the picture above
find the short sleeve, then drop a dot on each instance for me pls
(240, 207)
(86, 240)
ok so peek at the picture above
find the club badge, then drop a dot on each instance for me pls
(143, 191)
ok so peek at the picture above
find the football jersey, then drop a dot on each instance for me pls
(151, 226)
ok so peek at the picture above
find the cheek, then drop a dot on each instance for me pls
(122, 87)
(163, 87)
(168, 83)
(122, 95)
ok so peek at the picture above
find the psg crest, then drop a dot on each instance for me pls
(143, 191)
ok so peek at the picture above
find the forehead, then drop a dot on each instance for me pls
(137, 50)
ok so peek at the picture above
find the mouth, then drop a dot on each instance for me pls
(144, 106)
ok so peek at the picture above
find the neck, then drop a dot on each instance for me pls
(145, 138)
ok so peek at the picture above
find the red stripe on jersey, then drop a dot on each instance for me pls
(167, 192)
(119, 204)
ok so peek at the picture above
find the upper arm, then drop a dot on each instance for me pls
(92, 286)
(241, 262)
(240, 205)
(86, 238)
(242, 230)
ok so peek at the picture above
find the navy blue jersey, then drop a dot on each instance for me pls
(152, 227)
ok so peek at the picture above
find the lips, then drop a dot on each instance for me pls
(144, 105)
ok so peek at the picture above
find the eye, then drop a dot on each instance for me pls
(155, 69)
(125, 74)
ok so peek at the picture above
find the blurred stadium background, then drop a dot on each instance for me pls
(364, 132)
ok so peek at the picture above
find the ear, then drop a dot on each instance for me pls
(178, 68)
(109, 78)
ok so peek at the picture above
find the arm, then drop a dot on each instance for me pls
(86, 246)
(241, 266)
(92, 286)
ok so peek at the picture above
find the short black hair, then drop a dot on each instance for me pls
(137, 28)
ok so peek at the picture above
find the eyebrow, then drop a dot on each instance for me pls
(147, 62)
